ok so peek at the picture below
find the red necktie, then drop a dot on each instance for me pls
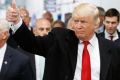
(86, 67)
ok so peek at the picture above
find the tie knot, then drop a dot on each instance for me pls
(86, 43)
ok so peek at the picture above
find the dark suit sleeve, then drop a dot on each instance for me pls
(26, 40)
(39, 45)
(35, 45)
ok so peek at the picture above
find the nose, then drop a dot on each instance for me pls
(110, 24)
(45, 32)
(79, 25)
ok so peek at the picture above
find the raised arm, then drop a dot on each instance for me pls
(22, 35)
(24, 38)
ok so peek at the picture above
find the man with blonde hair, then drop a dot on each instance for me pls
(77, 54)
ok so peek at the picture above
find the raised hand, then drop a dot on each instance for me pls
(13, 4)
(12, 13)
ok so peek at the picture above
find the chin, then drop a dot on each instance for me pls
(80, 37)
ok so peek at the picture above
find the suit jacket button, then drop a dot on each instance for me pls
(66, 77)
(18, 46)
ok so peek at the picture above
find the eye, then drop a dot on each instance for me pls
(41, 29)
(76, 21)
(47, 29)
(107, 22)
(113, 22)
(83, 21)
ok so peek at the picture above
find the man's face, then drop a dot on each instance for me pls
(101, 17)
(84, 27)
(111, 24)
(42, 28)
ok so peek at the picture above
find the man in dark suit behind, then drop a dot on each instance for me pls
(12, 43)
(13, 64)
(63, 48)
(111, 22)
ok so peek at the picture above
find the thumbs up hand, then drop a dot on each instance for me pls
(13, 4)
(12, 13)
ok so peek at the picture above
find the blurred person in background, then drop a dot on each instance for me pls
(100, 28)
(111, 22)
(48, 15)
(67, 17)
(42, 27)
(70, 24)
(58, 23)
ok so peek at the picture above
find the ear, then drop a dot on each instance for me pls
(34, 31)
(104, 22)
(5, 34)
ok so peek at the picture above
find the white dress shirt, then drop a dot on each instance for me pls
(39, 63)
(2, 53)
(115, 35)
(93, 49)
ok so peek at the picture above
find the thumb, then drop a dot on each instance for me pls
(13, 4)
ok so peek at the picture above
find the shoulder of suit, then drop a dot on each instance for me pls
(16, 53)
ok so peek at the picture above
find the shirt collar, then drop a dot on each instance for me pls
(92, 41)
(107, 34)
(2, 50)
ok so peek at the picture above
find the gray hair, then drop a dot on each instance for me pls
(4, 25)
(101, 11)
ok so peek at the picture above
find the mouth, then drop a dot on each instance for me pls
(110, 30)
(80, 32)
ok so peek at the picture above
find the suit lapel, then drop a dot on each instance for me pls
(118, 33)
(32, 59)
(6, 63)
(105, 59)
(33, 64)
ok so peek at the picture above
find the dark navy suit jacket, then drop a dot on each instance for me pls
(16, 66)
